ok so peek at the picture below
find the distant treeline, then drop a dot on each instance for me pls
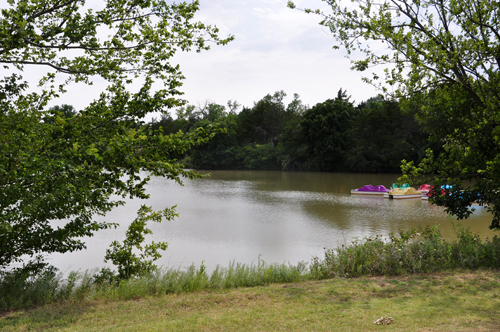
(334, 135)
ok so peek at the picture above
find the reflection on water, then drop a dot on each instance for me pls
(283, 216)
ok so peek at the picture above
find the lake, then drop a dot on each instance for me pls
(279, 216)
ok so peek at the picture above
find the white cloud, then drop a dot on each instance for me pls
(276, 48)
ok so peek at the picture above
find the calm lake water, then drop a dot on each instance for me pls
(282, 216)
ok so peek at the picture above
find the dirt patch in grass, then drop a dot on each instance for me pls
(5, 314)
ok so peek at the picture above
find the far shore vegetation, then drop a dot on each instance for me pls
(334, 135)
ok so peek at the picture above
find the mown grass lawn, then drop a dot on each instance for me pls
(459, 301)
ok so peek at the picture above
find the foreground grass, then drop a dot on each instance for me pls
(454, 301)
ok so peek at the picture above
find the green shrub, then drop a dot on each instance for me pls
(413, 251)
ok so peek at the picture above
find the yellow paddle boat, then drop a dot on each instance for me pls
(406, 193)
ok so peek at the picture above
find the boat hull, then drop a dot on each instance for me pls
(367, 193)
(402, 196)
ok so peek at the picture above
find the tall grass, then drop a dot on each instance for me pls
(414, 251)
(17, 292)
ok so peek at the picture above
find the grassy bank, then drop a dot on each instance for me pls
(458, 301)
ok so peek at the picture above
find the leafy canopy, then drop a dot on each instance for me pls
(324, 129)
(383, 135)
(57, 172)
(442, 60)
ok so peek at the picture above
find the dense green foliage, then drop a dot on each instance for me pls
(414, 251)
(59, 168)
(334, 135)
(325, 128)
(384, 135)
(64, 111)
(441, 60)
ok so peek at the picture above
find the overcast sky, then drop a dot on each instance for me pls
(275, 48)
